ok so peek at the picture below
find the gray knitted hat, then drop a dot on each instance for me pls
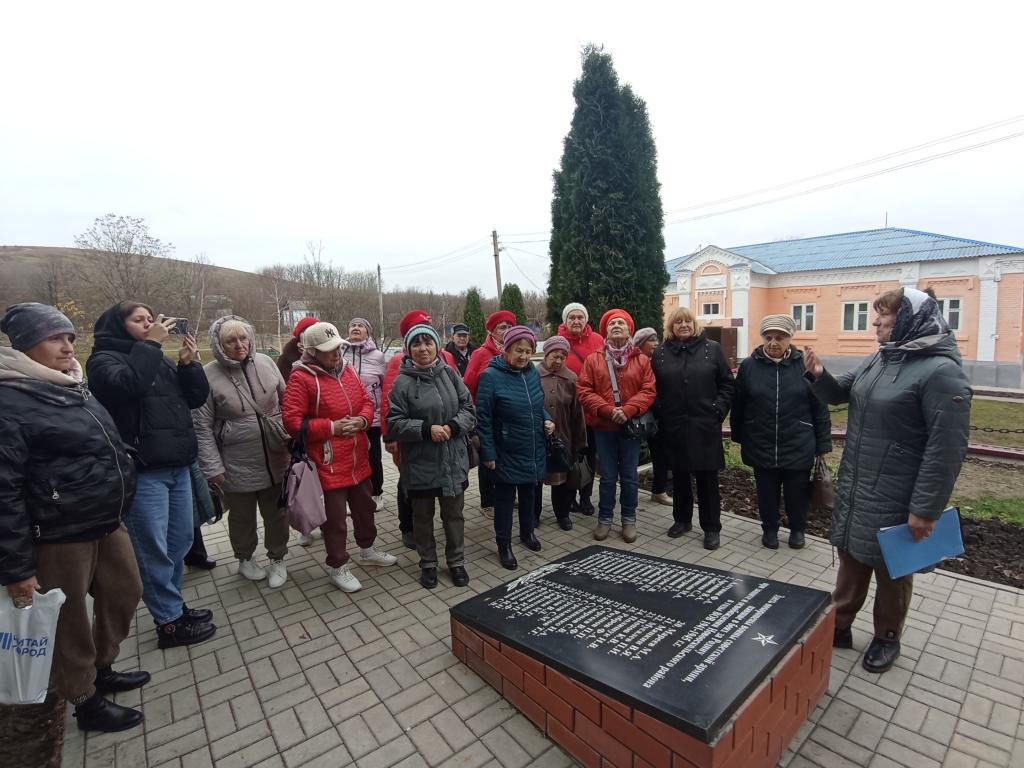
(29, 323)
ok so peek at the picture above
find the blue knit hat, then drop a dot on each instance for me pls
(421, 330)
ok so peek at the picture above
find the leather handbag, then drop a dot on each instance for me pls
(822, 495)
(638, 427)
(580, 475)
(557, 454)
(302, 495)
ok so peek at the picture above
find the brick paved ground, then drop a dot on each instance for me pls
(310, 676)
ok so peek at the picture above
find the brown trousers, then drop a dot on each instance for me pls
(106, 569)
(360, 502)
(242, 522)
(892, 596)
(451, 520)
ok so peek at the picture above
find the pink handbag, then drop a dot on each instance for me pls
(303, 494)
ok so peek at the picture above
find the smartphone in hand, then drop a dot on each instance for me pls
(180, 326)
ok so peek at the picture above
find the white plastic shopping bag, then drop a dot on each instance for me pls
(26, 646)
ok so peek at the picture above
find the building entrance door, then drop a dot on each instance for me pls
(726, 337)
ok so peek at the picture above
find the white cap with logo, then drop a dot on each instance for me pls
(322, 336)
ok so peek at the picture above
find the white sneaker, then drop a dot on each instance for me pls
(277, 574)
(379, 501)
(304, 540)
(343, 579)
(251, 571)
(373, 556)
(662, 498)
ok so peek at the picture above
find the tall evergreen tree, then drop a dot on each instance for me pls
(512, 300)
(473, 316)
(607, 245)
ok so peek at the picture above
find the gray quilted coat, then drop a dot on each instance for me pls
(231, 439)
(420, 399)
(910, 410)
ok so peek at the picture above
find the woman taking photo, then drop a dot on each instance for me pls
(430, 414)
(559, 384)
(511, 422)
(240, 450)
(781, 426)
(609, 405)
(326, 406)
(695, 390)
(906, 438)
(151, 400)
(65, 484)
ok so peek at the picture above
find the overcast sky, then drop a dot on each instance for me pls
(399, 132)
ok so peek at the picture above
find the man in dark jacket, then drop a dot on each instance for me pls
(65, 483)
(782, 426)
(151, 401)
(459, 347)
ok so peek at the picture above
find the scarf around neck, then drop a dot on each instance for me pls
(618, 355)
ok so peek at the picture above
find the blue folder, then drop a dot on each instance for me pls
(903, 555)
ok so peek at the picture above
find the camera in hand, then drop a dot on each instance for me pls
(180, 326)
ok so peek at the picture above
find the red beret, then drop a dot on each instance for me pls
(302, 325)
(615, 313)
(501, 316)
(411, 318)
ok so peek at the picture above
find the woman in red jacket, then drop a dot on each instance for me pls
(583, 341)
(617, 453)
(326, 392)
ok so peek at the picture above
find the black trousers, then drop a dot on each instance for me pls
(485, 480)
(376, 465)
(709, 502)
(404, 510)
(591, 454)
(504, 498)
(561, 497)
(794, 485)
(660, 460)
(198, 549)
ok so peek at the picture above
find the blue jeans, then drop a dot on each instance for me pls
(617, 459)
(504, 499)
(160, 525)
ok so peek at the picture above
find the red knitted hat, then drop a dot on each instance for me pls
(615, 313)
(501, 316)
(411, 318)
(302, 325)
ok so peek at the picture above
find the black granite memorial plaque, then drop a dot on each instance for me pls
(684, 643)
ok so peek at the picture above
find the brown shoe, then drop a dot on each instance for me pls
(602, 531)
(629, 532)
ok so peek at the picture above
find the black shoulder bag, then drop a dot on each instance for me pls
(642, 426)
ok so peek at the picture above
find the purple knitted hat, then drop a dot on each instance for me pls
(518, 333)
(556, 343)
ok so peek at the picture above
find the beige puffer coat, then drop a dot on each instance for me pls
(232, 441)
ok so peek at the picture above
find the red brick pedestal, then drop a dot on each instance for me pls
(601, 732)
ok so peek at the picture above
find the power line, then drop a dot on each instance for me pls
(842, 182)
(444, 263)
(434, 259)
(850, 167)
(523, 250)
(521, 272)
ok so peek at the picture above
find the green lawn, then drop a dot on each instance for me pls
(991, 414)
(1009, 509)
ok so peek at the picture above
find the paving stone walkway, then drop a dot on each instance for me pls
(309, 676)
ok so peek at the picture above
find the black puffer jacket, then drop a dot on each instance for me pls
(776, 417)
(910, 416)
(64, 472)
(695, 390)
(149, 397)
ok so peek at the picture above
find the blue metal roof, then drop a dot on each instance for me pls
(871, 247)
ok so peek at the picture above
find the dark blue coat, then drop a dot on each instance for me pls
(510, 422)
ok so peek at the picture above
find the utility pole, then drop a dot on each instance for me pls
(380, 304)
(497, 261)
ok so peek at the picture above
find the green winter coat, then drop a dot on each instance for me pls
(910, 411)
(419, 399)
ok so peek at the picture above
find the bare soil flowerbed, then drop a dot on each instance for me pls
(993, 546)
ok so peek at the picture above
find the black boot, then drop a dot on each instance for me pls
(193, 560)
(183, 632)
(407, 540)
(98, 714)
(842, 638)
(881, 655)
(796, 539)
(109, 681)
(506, 557)
(428, 578)
(711, 540)
(530, 542)
(196, 615)
(770, 539)
(586, 508)
(459, 576)
(678, 529)
(565, 523)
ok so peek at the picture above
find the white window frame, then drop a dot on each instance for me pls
(857, 313)
(802, 320)
(945, 309)
(705, 304)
